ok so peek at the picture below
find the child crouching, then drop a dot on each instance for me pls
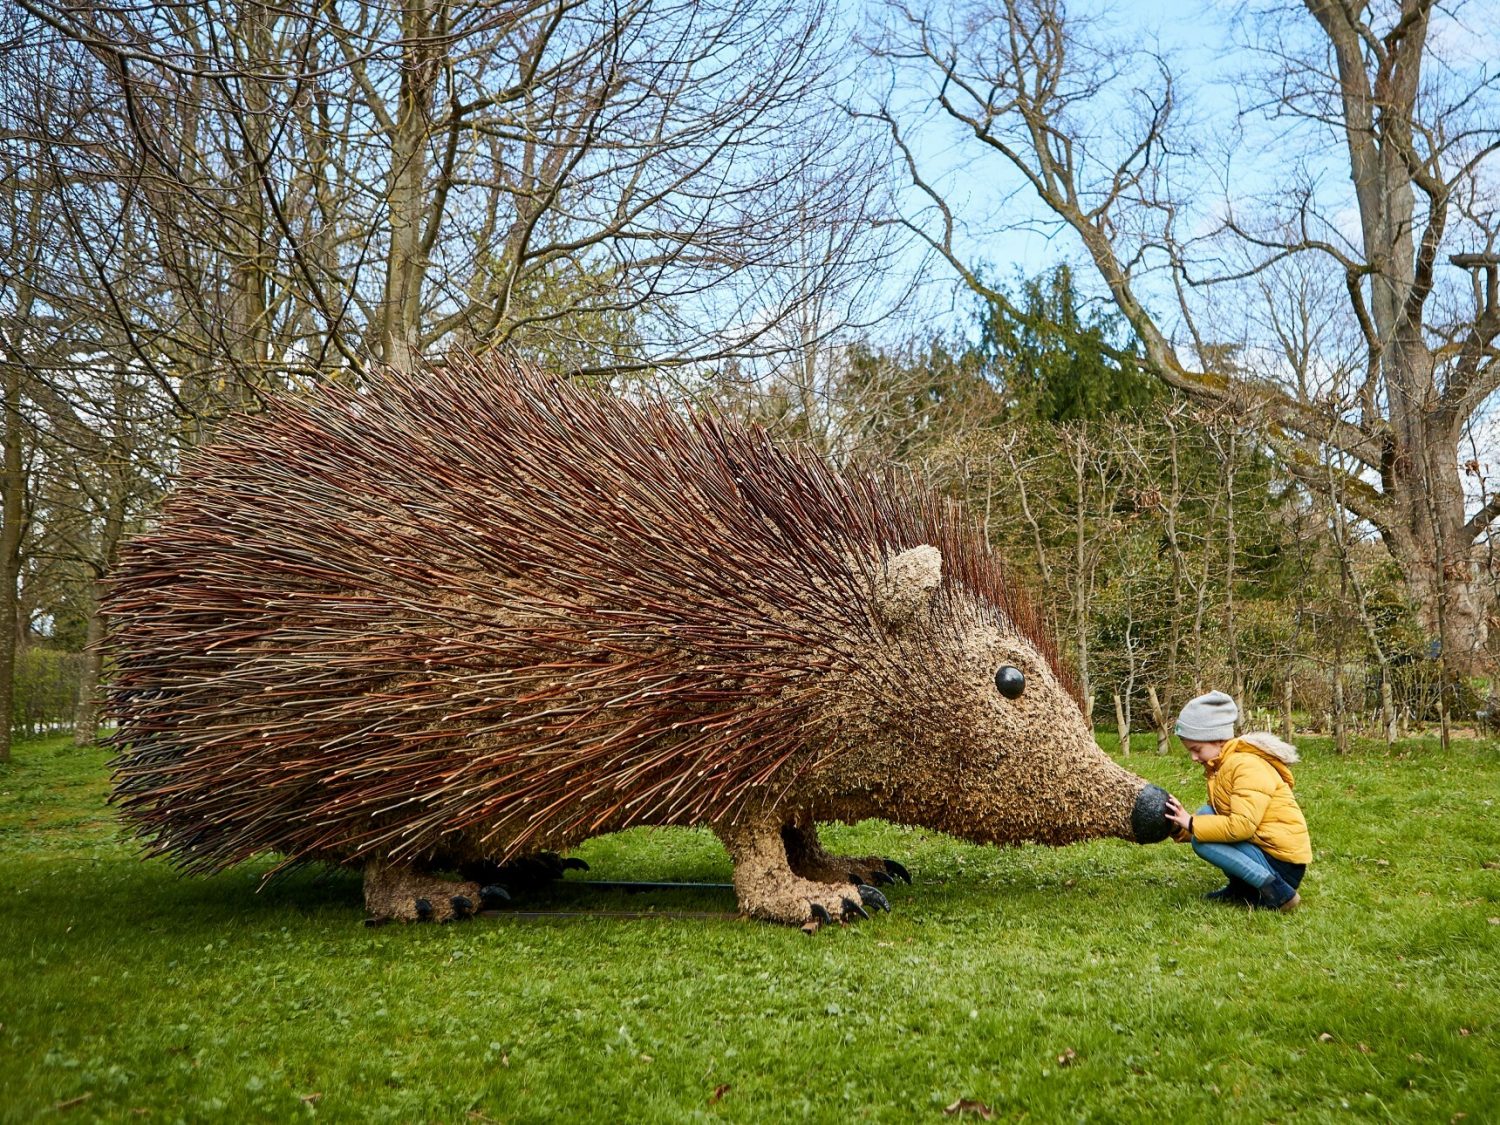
(1252, 829)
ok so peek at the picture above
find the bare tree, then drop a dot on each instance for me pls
(1092, 129)
(613, 186)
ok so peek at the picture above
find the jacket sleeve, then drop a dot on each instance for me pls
(1249, 797)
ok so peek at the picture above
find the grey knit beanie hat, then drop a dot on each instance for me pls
(1208, 718)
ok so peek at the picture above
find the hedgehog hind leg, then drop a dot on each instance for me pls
(807, 858)
(768, 888)
(402, 893)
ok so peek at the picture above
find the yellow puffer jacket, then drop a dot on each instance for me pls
(1250, 788)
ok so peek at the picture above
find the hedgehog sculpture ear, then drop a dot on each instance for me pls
(906, 585)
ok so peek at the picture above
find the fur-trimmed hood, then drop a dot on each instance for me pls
(1266, 745)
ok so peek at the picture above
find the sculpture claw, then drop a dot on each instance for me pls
(423, 907)
(463, 907)
(492, 896)
(852, 908)
(873, 897)
(573, 863)
(880, 879)
(820, 914)
(898, 870)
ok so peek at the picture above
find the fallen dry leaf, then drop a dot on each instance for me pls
(71, 1102)
(1495, 921)
(719, 1091)
(1067, 1058)
(648, 1058)
(1464, 1031)
(1364, 1048)
(1325, 1038)
(969, 1105)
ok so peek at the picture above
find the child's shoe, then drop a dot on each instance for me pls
(1230, 894)
(1236, 892)
(1280, 895)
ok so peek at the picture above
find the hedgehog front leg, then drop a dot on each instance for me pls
(768, 888)
(805, 853)
(396, 892)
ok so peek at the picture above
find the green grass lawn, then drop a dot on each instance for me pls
(128, 993)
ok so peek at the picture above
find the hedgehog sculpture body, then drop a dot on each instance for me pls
(442, 623)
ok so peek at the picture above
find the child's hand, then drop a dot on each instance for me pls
(1177, 815)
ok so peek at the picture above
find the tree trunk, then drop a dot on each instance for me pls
(1179, 568)
(406, 198)
(1337, 718)
(1159, 719)
(249, 236)
(1426, 532)
(1122, 726)
(1387, 708)
(1231, 545)
(10, 551)
(1433, 549)
(86, 718)
(1081, 578)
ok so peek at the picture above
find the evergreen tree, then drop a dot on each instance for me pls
(1061, 362)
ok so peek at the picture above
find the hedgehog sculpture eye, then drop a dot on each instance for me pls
(1010, 681)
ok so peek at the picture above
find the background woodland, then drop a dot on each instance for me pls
(1235, 438)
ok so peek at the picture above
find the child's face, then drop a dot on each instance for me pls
(1203, 752)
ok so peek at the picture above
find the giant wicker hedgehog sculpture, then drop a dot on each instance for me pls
(441, 623)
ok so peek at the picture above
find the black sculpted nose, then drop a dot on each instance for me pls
(1148, 820)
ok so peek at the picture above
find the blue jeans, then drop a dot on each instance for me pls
(1253, 875)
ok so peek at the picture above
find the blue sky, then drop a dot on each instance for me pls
(1213, 70)
(1000, 222)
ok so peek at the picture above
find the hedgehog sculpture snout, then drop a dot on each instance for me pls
(1148, 818)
